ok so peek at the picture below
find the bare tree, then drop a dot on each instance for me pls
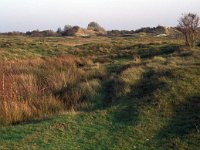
(188, 25)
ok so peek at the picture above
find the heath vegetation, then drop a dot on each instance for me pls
(127, 90)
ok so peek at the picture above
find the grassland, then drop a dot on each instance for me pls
(88, 93)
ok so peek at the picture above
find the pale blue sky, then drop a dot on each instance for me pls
(24, 15)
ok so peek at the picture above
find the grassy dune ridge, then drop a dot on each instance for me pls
(89, 93)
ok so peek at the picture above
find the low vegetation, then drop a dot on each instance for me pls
(99, 93)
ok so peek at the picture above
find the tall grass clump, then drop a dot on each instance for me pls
(125, 81)
(29, 89)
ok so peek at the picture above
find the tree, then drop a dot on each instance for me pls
(66, 30)
(59, 30)
(188, 25)
(95, 27)
(67, 27)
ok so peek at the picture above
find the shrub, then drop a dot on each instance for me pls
(188, 25)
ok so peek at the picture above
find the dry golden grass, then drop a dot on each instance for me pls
(28, 89)
(14, 111)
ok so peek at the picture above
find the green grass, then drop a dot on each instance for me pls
(153, 104)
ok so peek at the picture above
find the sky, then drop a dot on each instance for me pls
(27, 15)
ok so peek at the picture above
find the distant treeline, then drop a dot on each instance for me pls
(156, 30)
(66, 31)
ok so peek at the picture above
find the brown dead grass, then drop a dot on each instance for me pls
(27, 88)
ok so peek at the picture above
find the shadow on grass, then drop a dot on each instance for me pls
(183, 131)
(148, 85)
(157, 51)
(147, 51)
(186, 119)
(142, 94)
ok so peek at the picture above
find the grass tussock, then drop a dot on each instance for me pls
(38, 88)
(14, 111)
